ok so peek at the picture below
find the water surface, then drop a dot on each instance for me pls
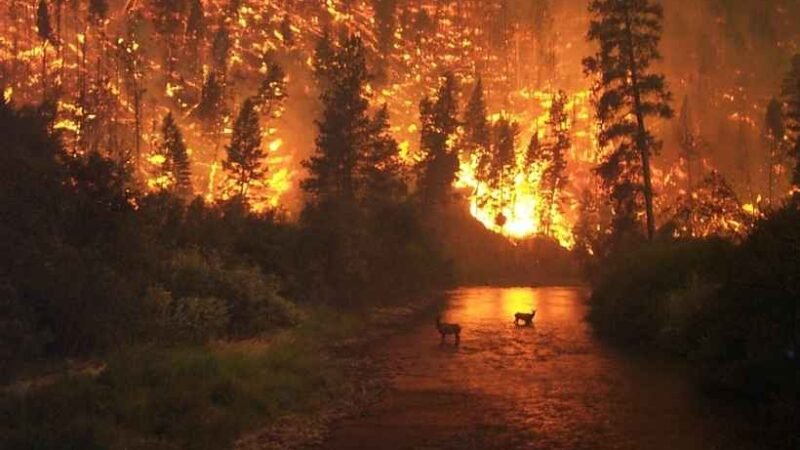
(550, 386)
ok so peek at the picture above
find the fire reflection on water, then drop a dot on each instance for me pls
(551, 386)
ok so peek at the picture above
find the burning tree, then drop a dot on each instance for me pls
(776, 133)
(220, 51)
(554, 160)
(791, 97)
(501, 163)
(690, 141)
(45, 31)
(194, 35)
(713, 209)
(477, 132)
(545, 37)
(385, 25)
(286, 32)
(272, 92)
(628, 92)
(588, 229)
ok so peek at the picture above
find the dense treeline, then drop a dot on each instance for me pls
(90, 263)
(141, 284)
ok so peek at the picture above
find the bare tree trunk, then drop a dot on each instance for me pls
(44, 71)
(641, 135)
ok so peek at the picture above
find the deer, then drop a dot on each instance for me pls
(525, 318)
(448, 328)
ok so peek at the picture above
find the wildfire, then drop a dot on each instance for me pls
(110, 82)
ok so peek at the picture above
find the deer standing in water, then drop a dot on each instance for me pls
(525, 318)
(448, 328)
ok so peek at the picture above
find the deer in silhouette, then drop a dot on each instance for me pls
(448, 328)
(525, 318)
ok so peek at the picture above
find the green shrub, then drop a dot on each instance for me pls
(733, 310)
(200, 318)
(252, 299)
(254, 302)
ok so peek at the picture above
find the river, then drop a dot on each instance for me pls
(553, 385)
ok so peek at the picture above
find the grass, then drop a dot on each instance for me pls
(193, 397)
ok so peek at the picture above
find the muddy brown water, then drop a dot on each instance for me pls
(553, 385)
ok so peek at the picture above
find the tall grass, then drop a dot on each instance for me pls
(198, 397)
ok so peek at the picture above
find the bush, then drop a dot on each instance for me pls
(733, 310)
(252, 300)
(751, 344)
(200, 318)
(642, 294)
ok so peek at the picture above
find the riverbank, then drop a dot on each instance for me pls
(278, 392)
(360, 384)
(730, 310)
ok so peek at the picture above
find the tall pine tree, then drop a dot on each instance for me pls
(501, 165)
(340, 173)
(380, 168)
(245, 156)
(439, 164)
(343, 125)
(477, 133)
(176, 165)
(628, 92)
(554, 176)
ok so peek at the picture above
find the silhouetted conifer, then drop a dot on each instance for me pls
(628, 91)
(177, 163)
(245, 161)
(439, 118)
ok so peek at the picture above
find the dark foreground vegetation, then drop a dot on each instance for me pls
(115, 304)
(136, 319)
(732, 310)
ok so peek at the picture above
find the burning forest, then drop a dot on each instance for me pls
(182, 179)
(526, 133)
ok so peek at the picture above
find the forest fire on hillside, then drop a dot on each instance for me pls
(115, 69)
